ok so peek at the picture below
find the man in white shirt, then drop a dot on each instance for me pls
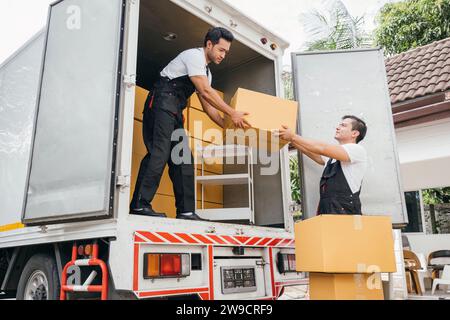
(345, 165)
(163, 116)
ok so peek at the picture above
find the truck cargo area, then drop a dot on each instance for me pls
(165, 30)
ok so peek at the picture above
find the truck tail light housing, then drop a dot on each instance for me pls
(286, 263)
(163, 265)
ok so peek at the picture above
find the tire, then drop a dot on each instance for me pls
(39, 279)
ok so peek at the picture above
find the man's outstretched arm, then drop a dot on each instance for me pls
(212, 112)
(313, 146)
(313, 156)
(206, 92)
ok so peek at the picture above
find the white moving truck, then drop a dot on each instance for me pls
(67, 108)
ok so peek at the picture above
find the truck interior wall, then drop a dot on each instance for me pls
(19, 80)
(243, 67)
(257, 75)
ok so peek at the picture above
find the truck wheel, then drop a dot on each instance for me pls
(39, 279)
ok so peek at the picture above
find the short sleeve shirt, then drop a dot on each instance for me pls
(354, 170)
(191, 62)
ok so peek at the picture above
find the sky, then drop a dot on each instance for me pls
(21, 19)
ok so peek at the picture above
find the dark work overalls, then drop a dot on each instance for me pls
(336, 197)
(163, 114)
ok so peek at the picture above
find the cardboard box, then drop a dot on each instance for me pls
(267, 113)
(212, 193)
(201, 127)
(212, 165)
(140, 98)
(166, 204)
(345, 244)
(165, 186)
(323, 286)
(209, 205)
(138, 140)
(139, 102)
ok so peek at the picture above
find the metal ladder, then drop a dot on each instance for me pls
(86, 287)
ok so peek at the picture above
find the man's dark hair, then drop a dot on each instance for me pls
(358, 125)
(215, 34)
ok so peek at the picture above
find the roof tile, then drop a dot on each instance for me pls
(419, 72)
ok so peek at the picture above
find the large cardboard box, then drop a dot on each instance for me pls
(212, 164)
(201, 127)
(266, 114)
(212, 193)
(166, 204)
(345, 244)
(140, 98)
(138, 140)
(323, 286)
(164, 200)
(139, 102)
(165, 186)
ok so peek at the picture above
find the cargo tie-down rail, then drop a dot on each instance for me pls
(86, 287)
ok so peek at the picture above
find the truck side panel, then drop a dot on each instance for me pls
(71, 165)
(330, 85)
(19, 79)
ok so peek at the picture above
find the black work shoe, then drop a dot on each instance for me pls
(189, 216)
(148, 212)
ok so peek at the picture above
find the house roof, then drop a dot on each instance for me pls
(419, 72)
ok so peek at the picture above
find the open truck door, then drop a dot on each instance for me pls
(330, 85)
(71, 168)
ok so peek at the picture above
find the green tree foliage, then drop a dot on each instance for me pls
(288, 85)
(412, 23)
(436, 196)
(331, 27)
(295, 179)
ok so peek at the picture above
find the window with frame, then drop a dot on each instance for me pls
(414, 208)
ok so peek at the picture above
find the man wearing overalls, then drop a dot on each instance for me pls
(345, 165)
(163, 120)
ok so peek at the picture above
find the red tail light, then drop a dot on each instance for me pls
(170, 265)
(162, 265)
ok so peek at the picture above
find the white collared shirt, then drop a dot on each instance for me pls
(354, 170)
(191, 62)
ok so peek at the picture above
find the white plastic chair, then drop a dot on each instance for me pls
(423, 272)
(445, 279)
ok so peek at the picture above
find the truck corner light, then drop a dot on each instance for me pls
(162, 265)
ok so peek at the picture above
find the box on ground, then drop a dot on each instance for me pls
(266, 114)
(324, 286)
(345, 244)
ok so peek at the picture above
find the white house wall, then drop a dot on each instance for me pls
(424, 153)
